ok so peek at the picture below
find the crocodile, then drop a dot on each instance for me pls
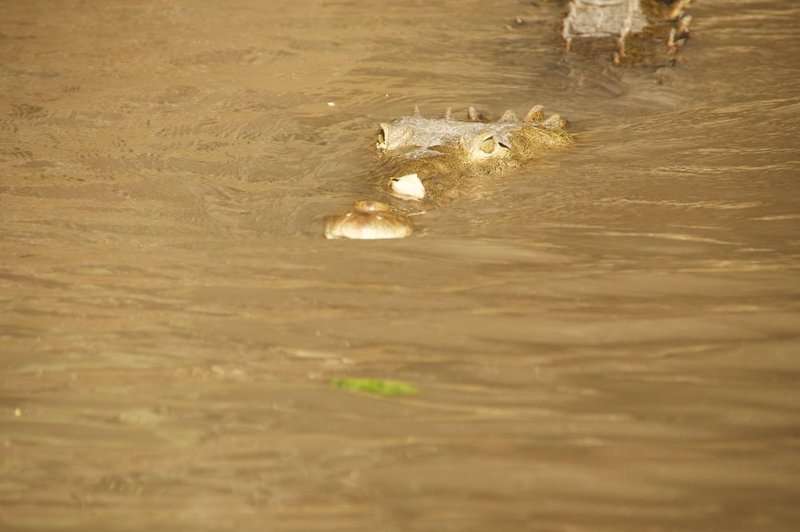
(641, 32)
(430, 160)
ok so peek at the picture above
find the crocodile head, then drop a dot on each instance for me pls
(444, 153)
(478, 138)
(421, 135)
(432, 159)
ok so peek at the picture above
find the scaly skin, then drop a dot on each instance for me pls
(444, 154)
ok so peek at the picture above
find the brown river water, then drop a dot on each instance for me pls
(607, 339)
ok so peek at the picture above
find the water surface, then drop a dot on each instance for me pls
(604, 340)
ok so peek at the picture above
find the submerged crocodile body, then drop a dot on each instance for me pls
(641, 32)
(430, 160)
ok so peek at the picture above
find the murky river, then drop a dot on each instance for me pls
(607, 339)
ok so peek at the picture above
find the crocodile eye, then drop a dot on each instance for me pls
(487, 146)
(381, 137)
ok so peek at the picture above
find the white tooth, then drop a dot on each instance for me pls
(408, 185)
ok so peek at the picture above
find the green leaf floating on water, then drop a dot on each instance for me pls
(375, 386)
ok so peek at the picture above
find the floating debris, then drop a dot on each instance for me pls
(375, 386)
(368, 220)
(408, 186)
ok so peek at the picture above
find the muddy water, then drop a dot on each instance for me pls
(605, 340)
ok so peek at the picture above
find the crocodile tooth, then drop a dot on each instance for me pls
(448, 114)
(473, 114)
(535, 114)
(416, 111)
